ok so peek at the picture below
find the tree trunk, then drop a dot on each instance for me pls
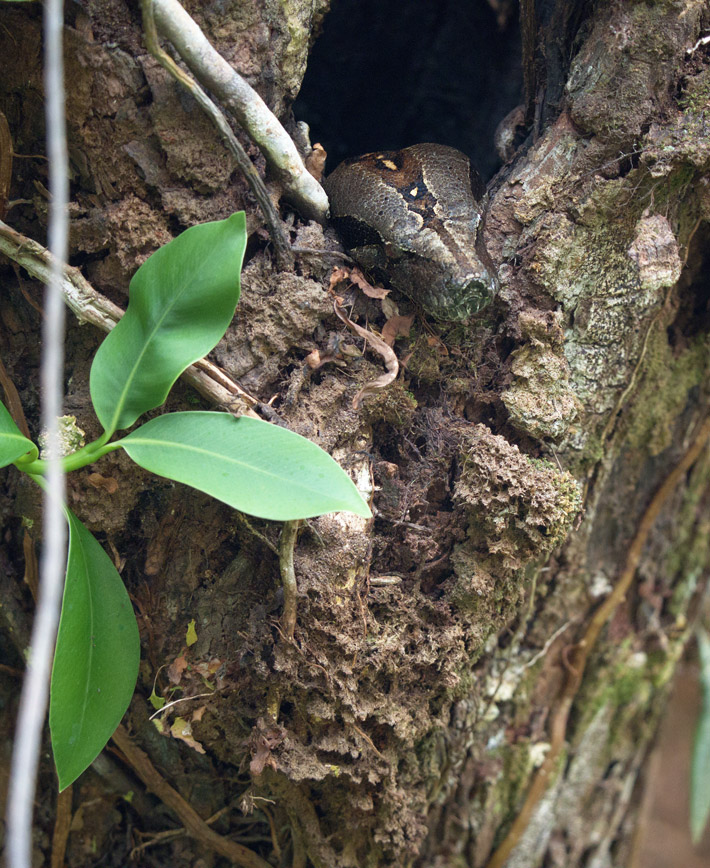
(476, 675)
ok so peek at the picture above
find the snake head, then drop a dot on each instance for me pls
(413, 217)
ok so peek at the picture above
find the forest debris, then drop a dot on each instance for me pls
(5, 163)
(337, 275)
(108, 483)
(383, 581)
(315, 161)
(264, 738)
(176, 668)
(313, 359)
(191, 820)
(397, 326)
(380, 347)
(354, 275)
(389, 307)
(62, 825)
(282, 247)
(287, 542)
(359, 279)
(181, 729)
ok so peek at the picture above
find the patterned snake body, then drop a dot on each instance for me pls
(413, 216)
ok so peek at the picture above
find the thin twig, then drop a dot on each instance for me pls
(367, 738)
(257, 533)
(284, 257)
(181, 699)
(287, 542)
(35, 689)
(244, 103)
(191, 820)
(155, 838)
(583, 649)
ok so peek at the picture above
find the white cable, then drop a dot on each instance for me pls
(35, 690)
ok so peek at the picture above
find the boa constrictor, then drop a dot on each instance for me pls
(413, 217)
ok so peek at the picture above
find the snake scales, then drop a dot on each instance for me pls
(413, 217)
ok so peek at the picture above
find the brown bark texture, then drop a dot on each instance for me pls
(442, 650)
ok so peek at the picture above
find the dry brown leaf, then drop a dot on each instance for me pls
(176, 668)
(338, 275)
(434, 341)
(264, 739)
(359, 279)
(377, 344)
(313, 359)
(315, 161)
(198, 713)
(108, 483)
(389, 308)
(396, 327)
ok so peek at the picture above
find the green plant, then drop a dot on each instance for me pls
(181, 301)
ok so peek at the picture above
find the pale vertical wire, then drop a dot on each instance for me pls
(35, 689)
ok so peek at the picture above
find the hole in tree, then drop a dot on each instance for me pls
(385, 74)
(693, 290)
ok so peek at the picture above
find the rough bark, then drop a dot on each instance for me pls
(513, 464)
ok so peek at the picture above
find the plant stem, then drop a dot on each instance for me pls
(288, 576)
(86, 455)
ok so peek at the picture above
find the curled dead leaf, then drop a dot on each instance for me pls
(377, 344)
(264, 738)
(337, 275)
(315, 161)
(359, 279)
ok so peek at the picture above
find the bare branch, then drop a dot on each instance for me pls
(245, 104)
(278, 235)
(90, 306)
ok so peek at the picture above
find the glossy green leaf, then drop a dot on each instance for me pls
(256, 467)
(181, 301)
(13, 444)
(700, 768)
(96, 659)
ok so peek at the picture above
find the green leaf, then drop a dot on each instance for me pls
(256, 467)
(96, 660)
(181, 301)
(13, 444)
(156, 701)
(700, 768)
